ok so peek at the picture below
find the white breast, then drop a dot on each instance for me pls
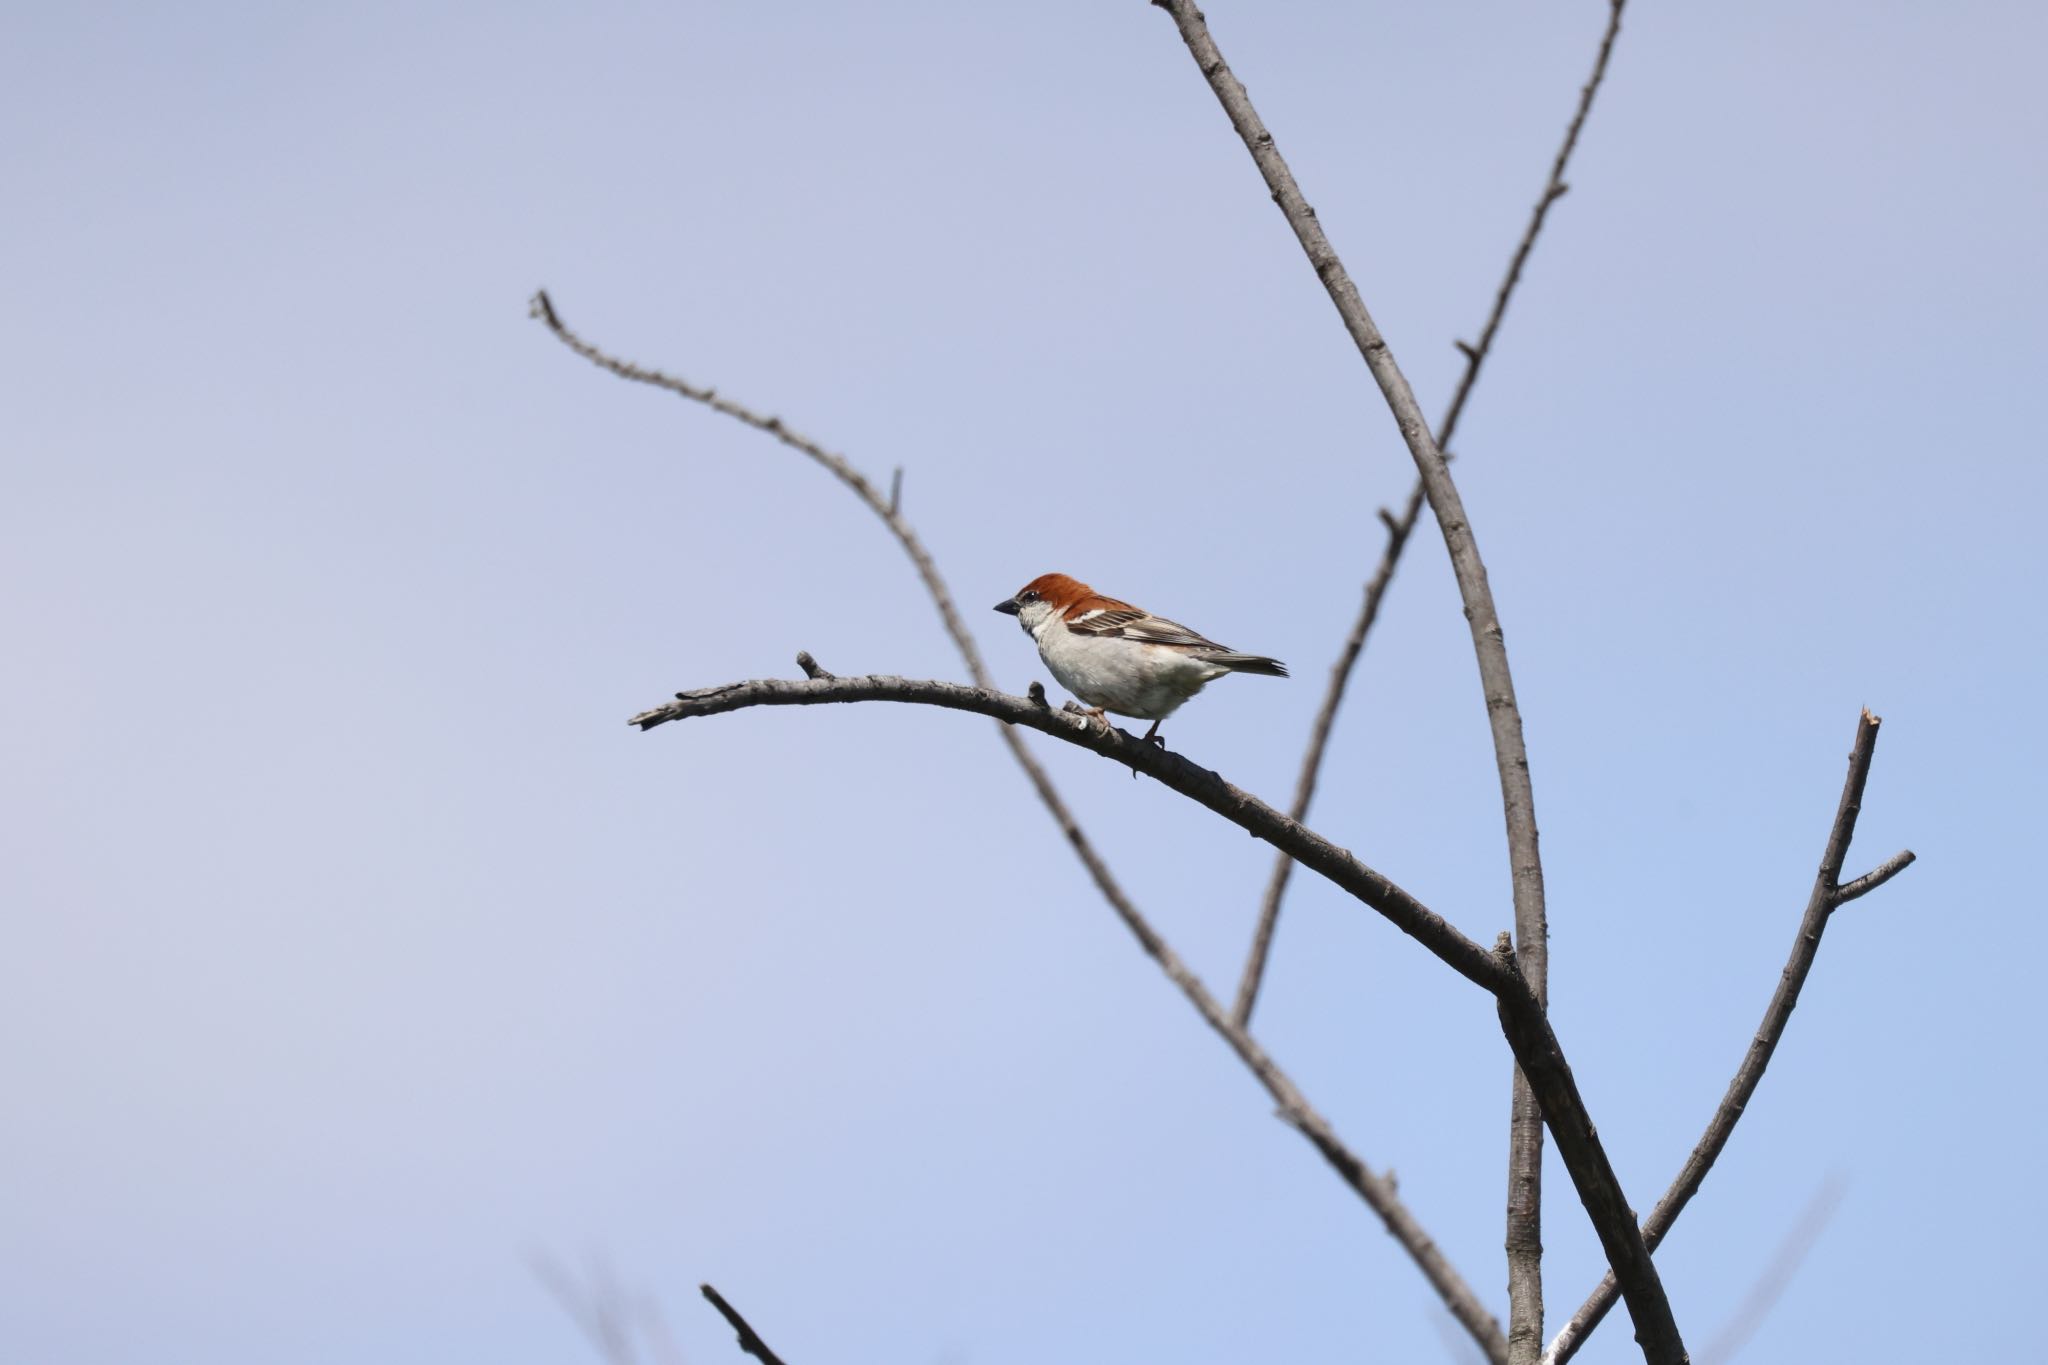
(1132, 679)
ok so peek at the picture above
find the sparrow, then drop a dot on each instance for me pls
(1121, 658)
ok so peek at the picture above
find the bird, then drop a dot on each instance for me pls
(1121, 658)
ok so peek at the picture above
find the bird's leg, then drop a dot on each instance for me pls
(1151, 736)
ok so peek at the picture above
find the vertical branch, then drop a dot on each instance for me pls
(1518, 803)
(1524, 1244)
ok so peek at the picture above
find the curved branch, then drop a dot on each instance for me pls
(1523, 1019)
(838, 466)
(1241, 808)
(1510, 753)
(1820, 904)
(1399, 528)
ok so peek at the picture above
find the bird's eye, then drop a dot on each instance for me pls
(1027, 597)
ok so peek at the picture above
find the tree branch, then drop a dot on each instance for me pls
(1170, 769)
(1542, 1064)
(1826, 895)
(1647, 1303)
(1873, 879)
(1378, 1194)
(1523, 1018)
(1399, 528)
(750, 1340)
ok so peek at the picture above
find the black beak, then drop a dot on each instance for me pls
(1008, 607)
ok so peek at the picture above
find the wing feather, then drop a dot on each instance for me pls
(1129, 623)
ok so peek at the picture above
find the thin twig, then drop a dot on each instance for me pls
(1873, 879)
(1523, 1019)
(750, 1340)
(606, 1313)
(1655, 1327)
(1805, 947)
(1770, 1286)
(1458, 1296)
(1312, 761)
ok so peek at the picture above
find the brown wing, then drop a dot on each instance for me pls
(1131, 624)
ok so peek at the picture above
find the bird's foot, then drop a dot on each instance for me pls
(1094, 713)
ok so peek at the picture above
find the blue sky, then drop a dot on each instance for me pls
(357, 952)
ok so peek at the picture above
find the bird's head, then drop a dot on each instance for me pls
(1044, 598)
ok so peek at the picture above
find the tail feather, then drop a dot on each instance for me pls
(1251, 663)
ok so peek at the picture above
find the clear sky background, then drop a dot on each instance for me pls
(356, 952)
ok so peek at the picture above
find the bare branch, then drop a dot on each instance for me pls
(1523, 1019)
(750, 1340)
(1542, 1063)
(1458, 1296)
(837, 465)
(1411, 916)
(1876, 877)
(1805, 947)
(1510, 752)
(1518, 803)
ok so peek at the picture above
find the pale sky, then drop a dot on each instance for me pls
(357, 952)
